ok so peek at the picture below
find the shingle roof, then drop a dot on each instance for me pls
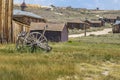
(51, 27)
(25, 13)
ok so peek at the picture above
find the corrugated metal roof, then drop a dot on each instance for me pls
(25, 13)
(51, 27)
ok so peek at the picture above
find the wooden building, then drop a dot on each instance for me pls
(13, 22)
(17, 28)
(95, 23)
(116, 27)
(110, 19)
(54, 32)
(27, 17)
(22, 21)
(77, 25)
(6, 8)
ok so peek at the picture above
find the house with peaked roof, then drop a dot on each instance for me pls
(27, 17)
(110, 19)
(22, 20)
(54, 32)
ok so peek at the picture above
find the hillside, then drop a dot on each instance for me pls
(61, 14)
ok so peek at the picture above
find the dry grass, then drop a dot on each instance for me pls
(72, 60)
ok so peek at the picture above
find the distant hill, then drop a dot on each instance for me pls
(65, 14)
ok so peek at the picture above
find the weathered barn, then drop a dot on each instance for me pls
(77, 25)
(6, 8)
(95, 23)
(26, 17)
(54, 32)
(22, 21)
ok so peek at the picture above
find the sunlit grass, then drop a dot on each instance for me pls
(87, 59)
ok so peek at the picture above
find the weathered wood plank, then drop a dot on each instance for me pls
(0, 19)
(6, 8)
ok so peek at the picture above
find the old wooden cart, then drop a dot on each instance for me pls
(33, 39)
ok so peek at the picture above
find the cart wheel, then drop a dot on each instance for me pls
(39, 40)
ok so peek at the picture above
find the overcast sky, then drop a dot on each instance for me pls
(91, 4)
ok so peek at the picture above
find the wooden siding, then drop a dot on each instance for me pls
(6, 8)
(64, 34)
(54, 36)
(1, 21)
(54, 32)
(17, 28)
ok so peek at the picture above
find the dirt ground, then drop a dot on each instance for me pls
(105, 31)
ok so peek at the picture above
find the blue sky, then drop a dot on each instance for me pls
(90, 4)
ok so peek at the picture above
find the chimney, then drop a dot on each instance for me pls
(23, 6)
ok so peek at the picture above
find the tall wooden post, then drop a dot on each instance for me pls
(85, 29)
(10, 16)
(3, 20)
(6, 20)
(0, 20)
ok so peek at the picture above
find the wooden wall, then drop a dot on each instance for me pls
(6, 9)
(17, 28)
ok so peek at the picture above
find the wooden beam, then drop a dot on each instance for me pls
(10, 14)
(0, 17)
(0, 21)
(3, 19)
(6, 9)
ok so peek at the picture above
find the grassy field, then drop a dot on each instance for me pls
(86, 58)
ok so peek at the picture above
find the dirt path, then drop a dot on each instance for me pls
(105, 31)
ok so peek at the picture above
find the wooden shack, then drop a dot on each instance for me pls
(77, 25)
(110, 19)
(54, 32)
(27, 17)
(6, 8)
(22, 21)
(95, 23)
